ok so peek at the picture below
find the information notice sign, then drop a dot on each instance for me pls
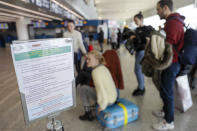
(45, 75)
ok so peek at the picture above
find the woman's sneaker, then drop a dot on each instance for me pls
(163, 125)
(138, 92)
(159, 114)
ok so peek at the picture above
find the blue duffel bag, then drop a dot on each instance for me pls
(118, 114)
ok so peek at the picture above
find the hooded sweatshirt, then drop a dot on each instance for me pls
(174, 29)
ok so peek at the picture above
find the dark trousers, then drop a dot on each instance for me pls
(77, 62)
(168, 78)
(113, 45)
(101, 45)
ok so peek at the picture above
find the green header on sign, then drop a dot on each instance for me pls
(41, 53)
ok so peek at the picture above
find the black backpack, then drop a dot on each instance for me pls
(188, 54)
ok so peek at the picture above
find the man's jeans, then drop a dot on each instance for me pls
(77, 62)
(168, 78)
(138, 69)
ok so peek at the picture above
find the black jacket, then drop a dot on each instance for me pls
(141, 34)
(101, 37)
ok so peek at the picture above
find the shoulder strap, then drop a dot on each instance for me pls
(180, 20)
(176, 49)
(177, 18)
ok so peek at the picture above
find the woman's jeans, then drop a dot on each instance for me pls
(138, 69)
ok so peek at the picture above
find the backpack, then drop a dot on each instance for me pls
(188, 54)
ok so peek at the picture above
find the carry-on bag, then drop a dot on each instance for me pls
(182, 94)
(118, 114)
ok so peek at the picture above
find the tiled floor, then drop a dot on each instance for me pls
(11, 114)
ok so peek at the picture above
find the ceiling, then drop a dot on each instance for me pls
(126, 9)
(122, 9)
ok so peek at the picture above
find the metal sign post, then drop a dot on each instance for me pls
(57, 125)
(54, 125)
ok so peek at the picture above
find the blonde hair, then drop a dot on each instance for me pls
(98, 56)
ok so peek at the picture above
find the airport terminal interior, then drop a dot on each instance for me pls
(29, 20)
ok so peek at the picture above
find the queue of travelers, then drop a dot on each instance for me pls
(95, 81)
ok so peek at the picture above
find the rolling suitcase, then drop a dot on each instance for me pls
(118, 114)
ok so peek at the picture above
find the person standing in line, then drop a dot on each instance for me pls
(77, 43)
(174, 30)
(114, 37)
(119, 38)
(2, 42)
(139, 48)
(101, 38)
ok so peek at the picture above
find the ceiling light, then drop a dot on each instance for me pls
(97, 1)
(25, 14)
(10, 15)
(100, 18)
(4, 18)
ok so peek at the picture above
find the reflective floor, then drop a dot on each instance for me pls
(11, 114)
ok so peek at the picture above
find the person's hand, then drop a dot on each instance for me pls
(132, 37)
(147, 42)
(85, 55)
(99, 110)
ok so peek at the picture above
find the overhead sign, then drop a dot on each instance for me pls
(40, 3)
(4, 26)
(45, 75)
(52, 7)
(39, 24)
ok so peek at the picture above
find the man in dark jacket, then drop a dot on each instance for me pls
(101, 38)
(175, 36)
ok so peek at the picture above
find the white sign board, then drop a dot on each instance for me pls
(45, 75)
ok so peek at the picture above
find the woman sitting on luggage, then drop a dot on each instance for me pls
(104, 92)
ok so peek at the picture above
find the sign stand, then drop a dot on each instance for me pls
(54, 125)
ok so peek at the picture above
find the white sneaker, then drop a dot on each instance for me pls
(159, 114)
(163, 126)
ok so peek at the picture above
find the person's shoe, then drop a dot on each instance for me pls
(159, 114)
(87, 116)
(138, 92)
(163, 125)
(93, 107)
